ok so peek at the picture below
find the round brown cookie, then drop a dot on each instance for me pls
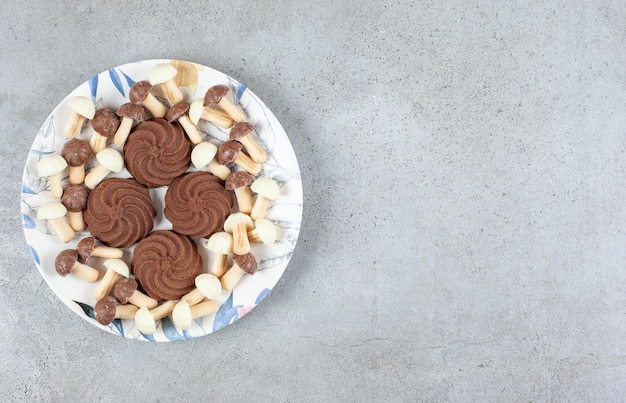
(119, 212)
(197, 204)
(166, 264)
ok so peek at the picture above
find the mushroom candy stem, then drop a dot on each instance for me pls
(203, 155)
(178, 111)
(145, 318)
(106, 310)
(221, 244)
(163, 74)
(140, 93)
(54, 213)
(110, 161)
(238, 224)
(129, 113)
(210, 113)
(87, 247)
(67, 262)
(243, 264)
(231, 151)
(52, 166)
(218, 95)
(242, 132)
(266, 189)
(82, 108)
(183, 313)
(116, 268)
(239, 182)
(207, 285)
(126, 291)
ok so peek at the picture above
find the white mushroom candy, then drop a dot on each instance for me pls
(220, 243)
(207, 285)
(266, 189)
(145, 319)
(82, 108)
(163, 74)
(116, 268)
(54, 213)
(183, 313)
(109, 160)
(264, 231)
(52, 166)
(238, 224)
(198, 110)
(203, 155)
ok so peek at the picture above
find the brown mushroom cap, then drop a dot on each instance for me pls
(132, 111)
(246, 262)
(104, 310)
(124, 289)
(76, 152)
(85, 248)
(228, 151)
(238, 179)
(215, 94)
(65, 261)
(240, 129)
(177, 110)
(105, 122)
(139, 91)
(75, 198)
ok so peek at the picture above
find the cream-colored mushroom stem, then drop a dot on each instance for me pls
(217, 116)
(96, 176)
(87, 273)
(77, 174)
(140, 299)
(244, 199)
(107, 252)
(77, 221)
(154, 106)
(121, 135)
(253, 148)
(192, 131)
(98, 142)
(260, 207)
(232, 277)
(126, 311)
(172, 92)
(241, 244)
(56, 185)
(234, 111)
(106, 285)
(218, 267)
(217, 169)
(247, 164)
(74, 125)
(62, 229)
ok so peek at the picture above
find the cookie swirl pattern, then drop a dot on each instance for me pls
(166, 264)
(119, 212)
(157, 152)
(197, 204)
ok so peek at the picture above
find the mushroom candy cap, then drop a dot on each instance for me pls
(75, 198)
(105, 122)
(246, 262)
(124, 289)
(111, 159)
(65, 261)
(177, 110)
(85, 248)
(76, 152)
(50, 164)
(51, 210)
(132, 111)
(203, 153)
(83, 106)
(266, 187)
(161, 73)
(228, 151)
(238, 179)
(104, 310)
(240, 129)
(215, 94)
(139, 91)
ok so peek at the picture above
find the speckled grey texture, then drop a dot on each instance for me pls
(464, 223)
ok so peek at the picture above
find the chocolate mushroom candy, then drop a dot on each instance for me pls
(145, 319)
(116, 268)
(67, 262)
(238, 224)
(267, 190)
(130, 113)
(183, 313)
(54, 213)
(242, 132)
(230, 152)
(207, 285)
(140, 93)
(106, 310)
(76, 152)
(75, 201)
(198, 110)
(240, 181)
(109, 160)
(178, 111)
(163, 74)
(264, 231)
(125, 291)
(218, 94)
(221, 244)
(203, 155)
(52, 167)
(243, 264)
(104, 123)
(87, 247)
(82, 108)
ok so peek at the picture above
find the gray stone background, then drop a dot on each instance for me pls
(463, 235)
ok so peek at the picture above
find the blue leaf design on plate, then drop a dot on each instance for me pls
(35, 254)
(170, 331)
(225, 315)
(93, 87)
(262, 295)
(115, 78)
(148, 337)
(26, 189)
(41, 152)
(129, 80)
(117, 323)
(86, 308)
(28, 222)
(240, 90)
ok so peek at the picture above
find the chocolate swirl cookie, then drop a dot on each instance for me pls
(197, 204)
(166, 264)
(156, 152)
(119, 212)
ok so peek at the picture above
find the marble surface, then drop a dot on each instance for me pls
(463, 168)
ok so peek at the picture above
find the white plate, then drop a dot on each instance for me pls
(110, 89)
